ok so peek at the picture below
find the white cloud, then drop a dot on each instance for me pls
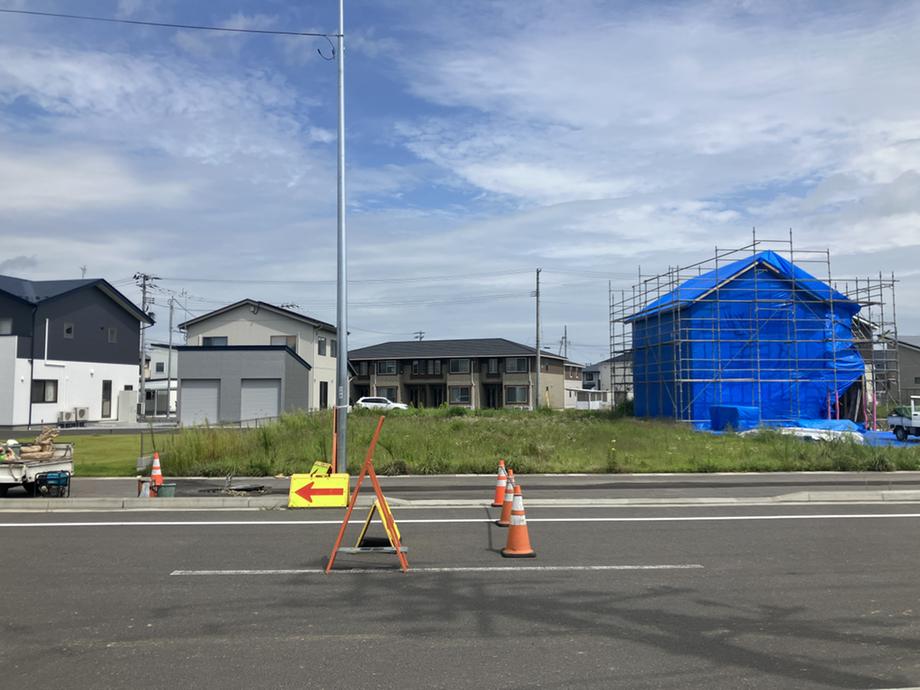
(75, 180)
(172, 107)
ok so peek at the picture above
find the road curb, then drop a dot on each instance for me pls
(49, 505)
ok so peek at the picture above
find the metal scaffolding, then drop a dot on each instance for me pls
(721, 357)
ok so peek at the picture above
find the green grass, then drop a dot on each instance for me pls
(104, 455)
(454, 440)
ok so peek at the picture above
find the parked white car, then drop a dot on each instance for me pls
(380, 404)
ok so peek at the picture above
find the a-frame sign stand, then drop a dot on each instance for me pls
(380, 505)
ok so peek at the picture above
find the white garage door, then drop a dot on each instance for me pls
(199, 401)
(260, 398)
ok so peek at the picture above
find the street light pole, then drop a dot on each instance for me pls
(341, 373)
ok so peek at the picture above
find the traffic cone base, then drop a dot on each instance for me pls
(518, 545)
(507, 503)
(500, 483)
(513, 554)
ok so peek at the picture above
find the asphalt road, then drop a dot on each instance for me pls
(759, 597)
(543, 486)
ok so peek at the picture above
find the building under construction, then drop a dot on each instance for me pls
(762, 334)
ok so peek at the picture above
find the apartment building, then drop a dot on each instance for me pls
(474, 373)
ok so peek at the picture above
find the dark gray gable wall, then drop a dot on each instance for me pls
(21, 313)
(92, 313)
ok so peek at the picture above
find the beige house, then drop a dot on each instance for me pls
(909, 366)
(474, 373)
(252, 323)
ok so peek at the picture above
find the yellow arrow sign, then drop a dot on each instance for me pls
(311, 491)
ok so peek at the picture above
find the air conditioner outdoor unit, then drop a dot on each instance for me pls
(81, 414)
(65, 417)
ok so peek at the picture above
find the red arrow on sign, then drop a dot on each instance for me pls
(308, 492)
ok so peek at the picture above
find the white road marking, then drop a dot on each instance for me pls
(434, 521)
(458, 569)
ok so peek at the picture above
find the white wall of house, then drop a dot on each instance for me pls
(79, 385)
(160, 356)
(247, 325)
(8, 360)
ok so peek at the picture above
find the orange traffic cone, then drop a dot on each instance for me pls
(500, 483)
(518, 545)
(156, 474)
(505, 518)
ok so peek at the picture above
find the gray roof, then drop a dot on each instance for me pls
(461, 348)
(37, 291)
(244, 348)
(623, 356)
(912, 340)
(262, 305)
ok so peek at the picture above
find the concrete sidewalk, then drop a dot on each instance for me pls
(475, 491)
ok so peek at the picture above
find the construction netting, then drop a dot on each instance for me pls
(759, 334)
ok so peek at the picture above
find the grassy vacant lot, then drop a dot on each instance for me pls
(449, 441)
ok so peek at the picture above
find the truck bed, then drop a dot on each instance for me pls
(22, 471)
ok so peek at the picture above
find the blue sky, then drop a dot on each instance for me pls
(484, 139)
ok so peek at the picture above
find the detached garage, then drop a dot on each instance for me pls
(245, 384)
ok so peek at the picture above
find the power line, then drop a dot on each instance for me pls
(113, 20)
(256, 281)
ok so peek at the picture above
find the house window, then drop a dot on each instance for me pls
(917, 380)
(459, 366)
(321, 346)
(214, 341)
(415, 368)
(333, 348)
(68, 331)
(6, 325)
(516, 365)
(517, 395)
(386, 367)
(44, 391)
(112, 335)
(388, 392)
(493, 365)
(458, 395)
(286, 340)
(362, 368)
(160, 367)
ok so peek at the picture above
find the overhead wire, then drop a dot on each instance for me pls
(169, 25)
(411, 279)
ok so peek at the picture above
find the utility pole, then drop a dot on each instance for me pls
(145, 279)
(183, 293)
(565, 340)
(341, 374)
(537, 392)
(172, 305)
(83, 271)
(419, 335)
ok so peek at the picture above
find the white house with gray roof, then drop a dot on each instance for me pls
(69, 352)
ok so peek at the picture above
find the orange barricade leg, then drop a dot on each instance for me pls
(386, 516)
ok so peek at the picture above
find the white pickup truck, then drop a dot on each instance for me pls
(905, 421)
(23, 472)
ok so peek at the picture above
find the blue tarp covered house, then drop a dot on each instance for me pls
(759, 336)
